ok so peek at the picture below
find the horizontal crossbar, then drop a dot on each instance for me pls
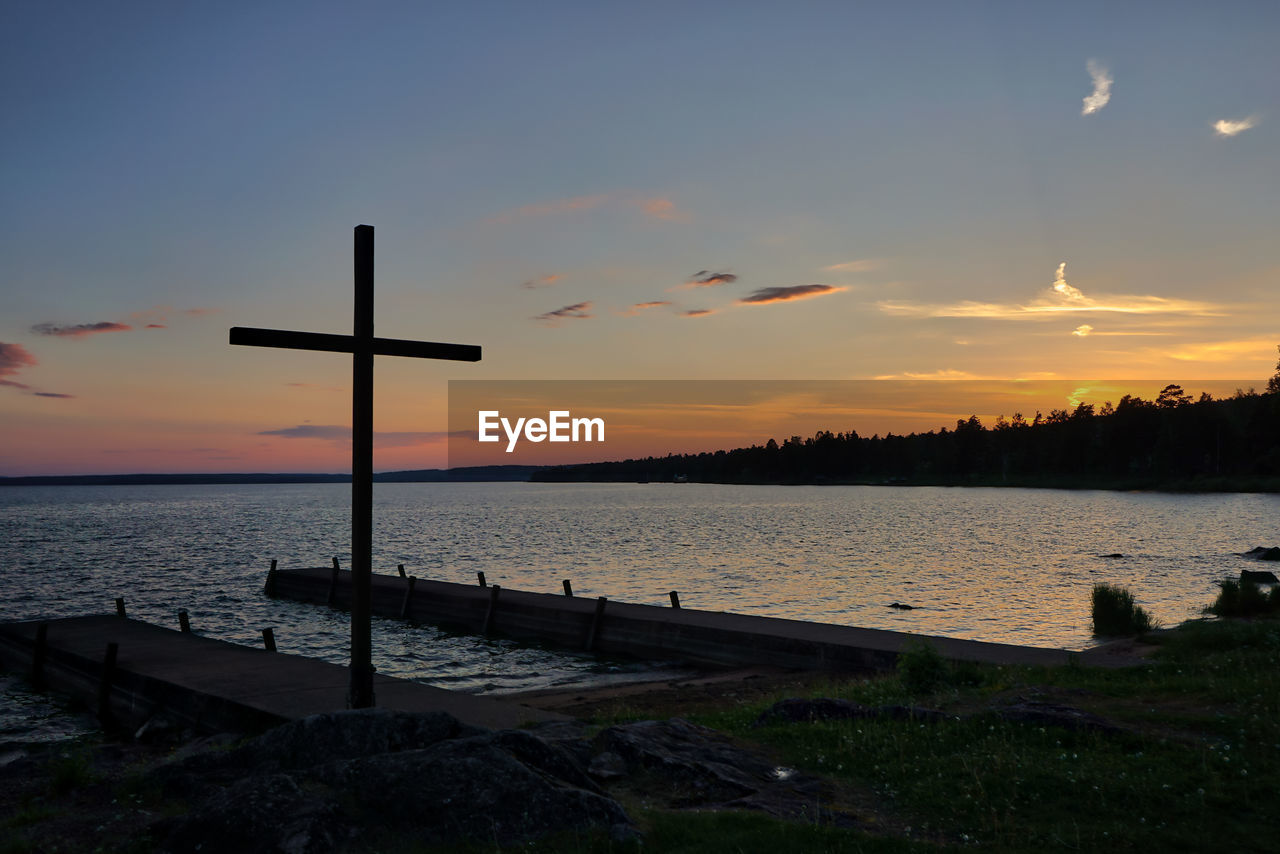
(252, 337)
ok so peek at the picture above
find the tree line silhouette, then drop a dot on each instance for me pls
(1173, 442)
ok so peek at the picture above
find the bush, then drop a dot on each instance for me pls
(1238, 598)
(1115, 614)
(921, 669)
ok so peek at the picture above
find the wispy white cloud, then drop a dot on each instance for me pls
(1226, 351)
(1101, 94)
(1061, 298)
(862, 266)
(1231, 127)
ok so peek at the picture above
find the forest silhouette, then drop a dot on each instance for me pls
(1176, 441)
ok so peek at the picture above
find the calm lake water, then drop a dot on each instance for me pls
(1010, 565)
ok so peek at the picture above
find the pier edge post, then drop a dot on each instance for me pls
(493, 608)
(408, 597)
(596, 620)
(675, 599)
(269, 639)
(184, 621)
(120, 607)
(333, 583)
(568, 588)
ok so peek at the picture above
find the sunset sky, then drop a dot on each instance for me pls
(606, 191)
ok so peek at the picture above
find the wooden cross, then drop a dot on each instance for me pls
(363, 347)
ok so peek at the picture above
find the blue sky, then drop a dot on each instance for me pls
(194, 167)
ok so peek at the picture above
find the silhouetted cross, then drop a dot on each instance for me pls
(363, 347)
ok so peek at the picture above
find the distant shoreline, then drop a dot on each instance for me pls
(558, 474)
(469, 474)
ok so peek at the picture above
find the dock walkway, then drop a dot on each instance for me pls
(653, 632)
(210, 684)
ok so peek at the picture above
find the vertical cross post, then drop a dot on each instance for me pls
(360, 693)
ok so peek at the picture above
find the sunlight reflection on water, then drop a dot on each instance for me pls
(1010, 565)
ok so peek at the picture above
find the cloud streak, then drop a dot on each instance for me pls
(1101, 94)
(578, 311)
(864, 266)
(763, 296)
(13, 359)
(79, 330)
(1061, 298)
(644, 306)
(697, 312)
(340, 435)
(542, 281)
(1232, 127)
(706, 279)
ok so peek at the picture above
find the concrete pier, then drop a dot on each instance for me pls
(127, 671)
(648, 631)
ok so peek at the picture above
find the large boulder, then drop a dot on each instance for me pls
(1263, 553)
(318, 783)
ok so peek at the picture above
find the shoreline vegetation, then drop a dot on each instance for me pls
(1179, 753)
(1174, 443)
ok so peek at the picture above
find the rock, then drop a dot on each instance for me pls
(1263, 553)
(912, 713)
(1258, 576)
(266, 814)
(607, 765)
(313, 785)
(902, 607)
(1113, 555)
(797, 710)
(690, 754)
(694, 767)
(827, 709)
(1052, 714)
(468, 788)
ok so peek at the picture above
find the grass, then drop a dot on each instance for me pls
(1193, 767)
(1115, 614)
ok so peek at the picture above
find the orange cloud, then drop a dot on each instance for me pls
(784, 294)
(79, 330)
(698, 312)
